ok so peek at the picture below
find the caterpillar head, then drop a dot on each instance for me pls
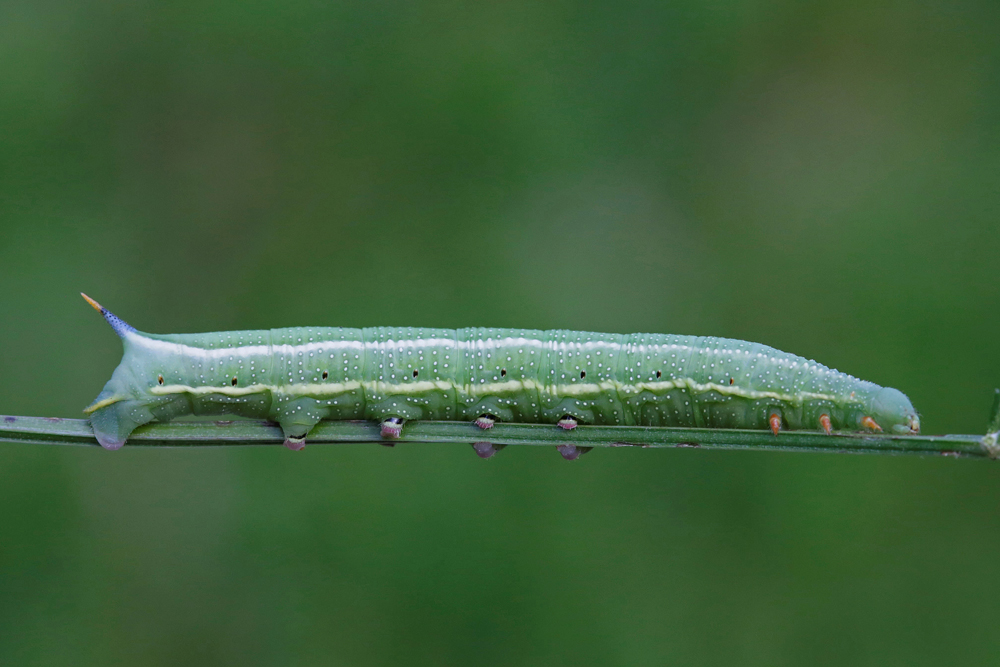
(894, 412)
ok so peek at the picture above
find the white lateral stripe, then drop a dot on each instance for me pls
(180, 349)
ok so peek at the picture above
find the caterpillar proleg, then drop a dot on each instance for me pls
(298, 376)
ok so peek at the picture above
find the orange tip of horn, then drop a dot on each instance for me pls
(93, 303)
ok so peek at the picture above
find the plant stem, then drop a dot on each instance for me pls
(55, 431)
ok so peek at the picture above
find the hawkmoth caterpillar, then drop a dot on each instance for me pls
(298, 376)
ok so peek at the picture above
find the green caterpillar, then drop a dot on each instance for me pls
(298, 376)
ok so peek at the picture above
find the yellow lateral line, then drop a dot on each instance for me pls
(510, 386)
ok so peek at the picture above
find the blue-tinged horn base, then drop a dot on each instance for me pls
(120, 326)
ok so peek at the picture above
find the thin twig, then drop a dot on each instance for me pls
(55, 431)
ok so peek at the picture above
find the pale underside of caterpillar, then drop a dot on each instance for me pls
(301, 375)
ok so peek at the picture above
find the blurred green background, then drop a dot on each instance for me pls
(819, 176)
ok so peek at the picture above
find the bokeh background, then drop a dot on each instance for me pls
(819, 176)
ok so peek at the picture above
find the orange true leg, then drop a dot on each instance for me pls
(824, 421)
(775, 421)
(871, 424)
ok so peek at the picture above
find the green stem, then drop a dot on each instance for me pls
(54, 431)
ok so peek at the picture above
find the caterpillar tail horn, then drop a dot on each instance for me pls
(121, 327)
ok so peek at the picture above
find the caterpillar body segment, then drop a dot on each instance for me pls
(298, 376)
